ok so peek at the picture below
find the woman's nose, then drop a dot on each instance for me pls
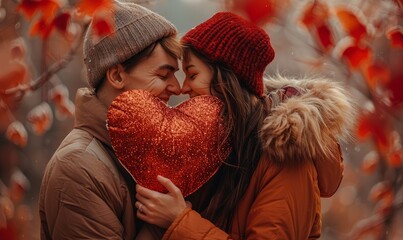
(185, 87)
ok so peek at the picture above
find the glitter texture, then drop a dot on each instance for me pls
(184, 144)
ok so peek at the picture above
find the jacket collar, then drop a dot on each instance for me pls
(91, 115)
(306, 126)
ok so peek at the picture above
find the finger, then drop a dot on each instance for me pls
(169, 185)
(145, 192)
(137, 204)
(142, 199)
(141, 208)
(142, 216)
(145, 218)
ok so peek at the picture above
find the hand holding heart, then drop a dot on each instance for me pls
(157, 208)
(185, 144)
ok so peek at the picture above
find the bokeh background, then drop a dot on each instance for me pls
(357, 42)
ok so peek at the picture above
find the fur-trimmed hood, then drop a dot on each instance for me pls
(306, 126)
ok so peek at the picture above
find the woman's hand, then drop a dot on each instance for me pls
(158, 208)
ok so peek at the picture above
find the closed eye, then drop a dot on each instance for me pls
(163, 77)
(193, 76)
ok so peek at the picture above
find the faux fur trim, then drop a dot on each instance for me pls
(306, 127)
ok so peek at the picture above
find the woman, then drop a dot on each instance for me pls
(284, 156)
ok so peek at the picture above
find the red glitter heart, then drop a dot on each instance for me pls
(185, 143)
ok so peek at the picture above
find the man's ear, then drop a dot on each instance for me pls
(114, 77)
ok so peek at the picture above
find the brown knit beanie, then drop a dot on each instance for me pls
(136, 28)
(238, 44)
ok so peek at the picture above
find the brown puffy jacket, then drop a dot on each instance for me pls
(283, 200)
(83, 193)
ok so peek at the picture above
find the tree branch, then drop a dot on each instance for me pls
(54, 68)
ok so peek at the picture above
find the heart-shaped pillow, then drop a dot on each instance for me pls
(185, 144)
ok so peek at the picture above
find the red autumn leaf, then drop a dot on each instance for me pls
(6, 208)
(259, 11)
(58, 94)
(357, 55)
(375, 125)
(90, 7)
(351, 23)
(395, 158)
(40, 118)
(381, 190)
(370, 162)
(17, 134)
(325, 36)
(103, 24)
(364, 126)
(399, 3)
(64, 107)
(382, 193)
(395, 87)
(16, 192)
(13, 77)
(44, 29)
(375, 73)
(396, 36)
(47, 8)
(19, 186)
(41, 28)
(61, 22)
(385, 205)
(315, 14)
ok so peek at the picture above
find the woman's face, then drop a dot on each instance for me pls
(198, 76)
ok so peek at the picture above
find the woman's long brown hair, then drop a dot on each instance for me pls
(243, 113)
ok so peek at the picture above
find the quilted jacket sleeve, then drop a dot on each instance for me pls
(190, 225)
(285, 204)
(80, 200)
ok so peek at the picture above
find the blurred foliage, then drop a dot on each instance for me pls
(358, 42)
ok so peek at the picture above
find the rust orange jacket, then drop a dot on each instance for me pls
(283, 198)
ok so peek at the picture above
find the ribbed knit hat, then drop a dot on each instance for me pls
(136, 28)
(238, 44)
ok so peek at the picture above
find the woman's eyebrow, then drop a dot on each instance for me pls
(189, 66)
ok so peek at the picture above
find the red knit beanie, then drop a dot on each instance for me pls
(238, 44)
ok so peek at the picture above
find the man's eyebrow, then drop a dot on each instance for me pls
(169, 67)
(189, 66)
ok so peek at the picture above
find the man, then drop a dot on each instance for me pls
(85, 193)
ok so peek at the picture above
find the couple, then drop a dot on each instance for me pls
(283, 134)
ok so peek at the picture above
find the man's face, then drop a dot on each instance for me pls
(155, 74)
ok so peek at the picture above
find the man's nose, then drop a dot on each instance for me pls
(173, 86)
